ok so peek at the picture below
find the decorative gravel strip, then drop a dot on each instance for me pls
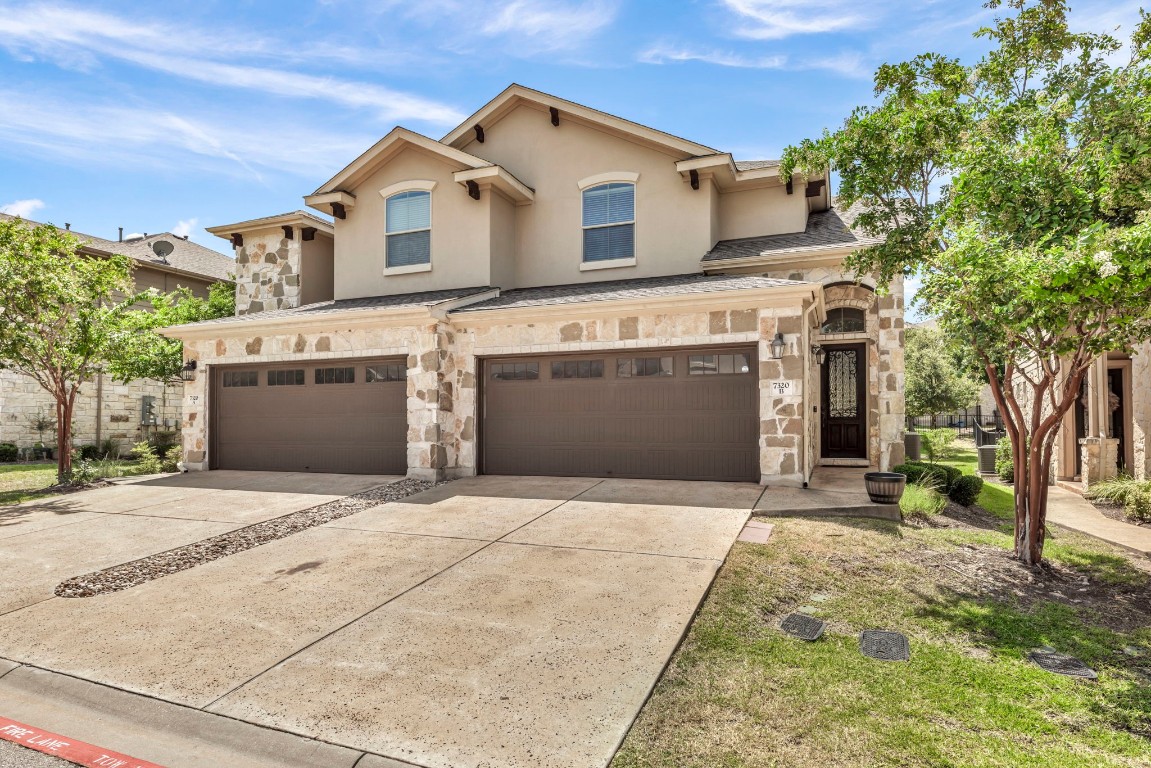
(126, 575)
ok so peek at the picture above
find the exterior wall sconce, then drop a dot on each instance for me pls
(188, 372)
(819, 354)
(777, 345)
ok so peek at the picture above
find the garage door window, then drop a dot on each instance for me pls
(577, 369)
(286, 378)
(386, 372)
(241, 379)
(515, 371)
(335, 375)
(707, 365)
(643, 366)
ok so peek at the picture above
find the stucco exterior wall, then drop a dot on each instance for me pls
(672, 220)
(764, 211)
(460, 233)
(117, 411)
(317, 269)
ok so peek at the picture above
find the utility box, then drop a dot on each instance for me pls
(911, 447)
(147, 411)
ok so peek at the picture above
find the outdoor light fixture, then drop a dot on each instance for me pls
(819, 353)
(777, 345)
(188, 372)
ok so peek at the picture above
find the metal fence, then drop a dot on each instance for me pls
(972, 423)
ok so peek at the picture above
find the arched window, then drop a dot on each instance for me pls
(609, 222)
(844, 320)
(409, 229)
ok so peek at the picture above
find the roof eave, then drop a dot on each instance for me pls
(225, 231)
(779, 258)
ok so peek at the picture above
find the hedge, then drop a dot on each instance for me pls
(966, 490)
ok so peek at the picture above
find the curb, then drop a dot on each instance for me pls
(73, 750)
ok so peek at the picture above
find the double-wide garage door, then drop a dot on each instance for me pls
(640, 414)
(330, 416)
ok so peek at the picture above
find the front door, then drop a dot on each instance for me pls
(844, 422)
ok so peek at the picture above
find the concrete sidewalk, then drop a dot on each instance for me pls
(1070, 510)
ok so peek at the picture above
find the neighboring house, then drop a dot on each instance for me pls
(1106, 432)
(105, 408)
(550, 290)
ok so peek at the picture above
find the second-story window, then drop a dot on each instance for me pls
(609, 222)
(409, 229)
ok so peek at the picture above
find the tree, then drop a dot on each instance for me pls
(934, 381)
(139, 352)
(1019, 189)
(58, 315)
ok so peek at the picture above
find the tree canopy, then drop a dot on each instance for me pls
(935, 381)
(59, 315)
(1018, 187)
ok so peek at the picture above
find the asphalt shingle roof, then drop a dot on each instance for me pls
(754, 165)
(639, 288)
(825, 229)
(336, 306)
(185, 256)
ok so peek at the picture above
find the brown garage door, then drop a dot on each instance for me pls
(645, 414)
(333, 416)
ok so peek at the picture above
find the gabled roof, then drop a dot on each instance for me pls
(829, 230)
(515, 94)
(186, 256)
(384, 149)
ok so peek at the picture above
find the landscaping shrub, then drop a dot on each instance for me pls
(940, 476)
(9, 452)
(172, 456)
(921, 501)
(162, 441)
(109, 448)
(938, 443)
(1004, 460)
(1131, 494)
(965, 490)
(88, 452)
(146, 459)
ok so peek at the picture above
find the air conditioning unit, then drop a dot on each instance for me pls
(987, 459)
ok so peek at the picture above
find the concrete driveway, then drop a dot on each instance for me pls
(493, 621)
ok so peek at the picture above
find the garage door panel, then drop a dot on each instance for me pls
(685, 426)
(356, 428)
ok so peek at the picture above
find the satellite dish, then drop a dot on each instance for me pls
(162, 248)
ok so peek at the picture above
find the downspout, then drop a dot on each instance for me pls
(99, 405)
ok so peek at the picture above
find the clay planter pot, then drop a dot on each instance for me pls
(885, 487)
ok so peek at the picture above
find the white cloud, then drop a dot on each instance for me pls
(662, 54)
(155, 138)
(77, 38)
(554, 25)
(184, 227)
(777, 19)
(22, 208)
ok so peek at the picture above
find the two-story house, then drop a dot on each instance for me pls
(550, 290)
(124, 412)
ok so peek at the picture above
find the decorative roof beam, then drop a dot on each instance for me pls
(555, 116)
(339, 211)
(694, 176)
(479, 133)
(473, 189)
(289, 232)
(308, 233)
(237, 240)
(813, 188)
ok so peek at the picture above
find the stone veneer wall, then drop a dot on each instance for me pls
(443, 370)
(1141, 411)
(22, 400)
(267, 272)
(884, 334)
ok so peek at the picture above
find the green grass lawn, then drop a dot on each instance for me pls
(741, 693)
(20, 482)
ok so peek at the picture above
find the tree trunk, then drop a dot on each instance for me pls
(64, 438)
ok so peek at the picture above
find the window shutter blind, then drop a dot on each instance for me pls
(409, 210)
(410, 248)
(606, 243)
(608, 204)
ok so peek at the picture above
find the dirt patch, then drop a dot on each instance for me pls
(1115, 512)
(991, 572)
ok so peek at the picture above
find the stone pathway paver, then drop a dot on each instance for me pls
(1072, 511)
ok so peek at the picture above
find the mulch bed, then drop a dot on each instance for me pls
(120, 577)
(1115, 512)
(985, 571)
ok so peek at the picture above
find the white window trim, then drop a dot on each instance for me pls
(412, 185)
(607, 178)
(613, 177)
(588, 266)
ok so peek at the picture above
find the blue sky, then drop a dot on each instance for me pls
(177, 116)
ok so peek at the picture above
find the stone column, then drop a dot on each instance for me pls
(1100, 459)
(892, 411)
(781, 419)
(194, 426)
(429, 403)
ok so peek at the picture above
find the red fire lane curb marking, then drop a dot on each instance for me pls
(69, 749)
